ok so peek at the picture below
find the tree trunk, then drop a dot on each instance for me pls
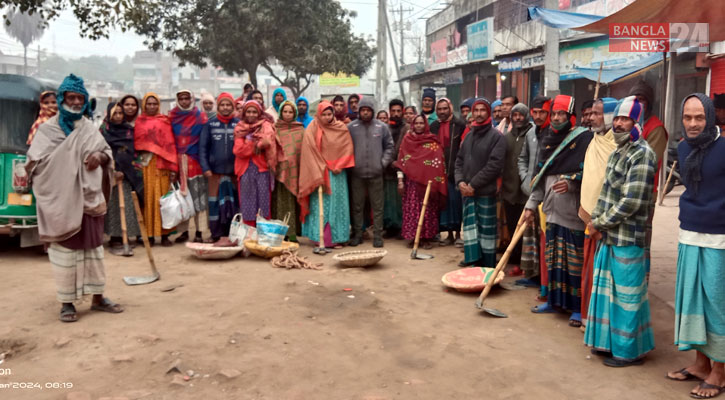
(25, 60)
(252, 71)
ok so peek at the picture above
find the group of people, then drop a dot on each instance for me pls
(584, 193)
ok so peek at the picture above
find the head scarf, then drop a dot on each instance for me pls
(523, 110)
(193, 100)
(120, 138)
(421, 159)
(66, 119)
(496, 103)
(265, 130)
(187, 124)
(563, 103)
(153, 133)
(304, 118)
(208, 96)
(641, 88)
(340, 116)
(631, 108)
(489, 107)
(224, 96)
(130, 118)
(46, 112)
(700, 143)
(274, 98)
(325, 147)
(290, 135)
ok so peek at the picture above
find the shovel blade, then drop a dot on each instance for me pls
(415, 256)
(494, 312)
(140, 280)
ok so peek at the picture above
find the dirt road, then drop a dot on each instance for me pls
(250, 331)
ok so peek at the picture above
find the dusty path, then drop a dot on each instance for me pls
(297, 335)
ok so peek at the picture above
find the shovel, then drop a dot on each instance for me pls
(414, 255)
(142, 280)
(320, 249)
(520, 229)
(127, 252)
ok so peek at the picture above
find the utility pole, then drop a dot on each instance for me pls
(395, 59)
(402, 29)
(381, 73)
(551, 56)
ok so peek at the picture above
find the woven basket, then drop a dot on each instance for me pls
(472, 279)
(360, 258)
(269, 252)
(207, 251)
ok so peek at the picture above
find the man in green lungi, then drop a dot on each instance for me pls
(618, 322)
(700, 288)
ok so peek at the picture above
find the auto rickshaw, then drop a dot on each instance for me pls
(18, 110)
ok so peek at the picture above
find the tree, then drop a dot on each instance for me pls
(242, 35)
(25, 28)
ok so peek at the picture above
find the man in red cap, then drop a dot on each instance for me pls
(557, 183)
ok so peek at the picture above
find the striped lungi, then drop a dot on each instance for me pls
(564, 258)
(619, 312)
(77, 272)
(700, 301)
(479, 230)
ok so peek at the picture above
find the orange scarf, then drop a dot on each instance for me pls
(46, 112)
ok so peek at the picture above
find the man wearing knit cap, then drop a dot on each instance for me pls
(478, 165)
(428, 105)
(557, 184)
(449, 129)
(216, 157)
(374, 149)
(187, 122)
(513, 197)
(595, 164)
(71, 167)
(699, 291)
(618, 322)
(466, 108)
(532, 252)
(497, 114)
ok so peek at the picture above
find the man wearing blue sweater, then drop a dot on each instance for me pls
(700, 288)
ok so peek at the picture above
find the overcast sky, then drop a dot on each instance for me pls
(63, 35)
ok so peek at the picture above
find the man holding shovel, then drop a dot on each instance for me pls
(71, 168)
(479, 163)
(618, 322)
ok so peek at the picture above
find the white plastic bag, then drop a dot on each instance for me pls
(187, 206)
(239, 232)
(171, 209)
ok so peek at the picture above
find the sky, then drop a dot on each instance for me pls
(63, 36)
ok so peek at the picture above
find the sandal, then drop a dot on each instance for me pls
(107, 306)
(543, 309)
(619, 363)
(688, 376)
(705, 385)
(458, 243)
(575, 320)
(68, 313)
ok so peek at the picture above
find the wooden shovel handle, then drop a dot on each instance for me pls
(422, 216)
(122, 209)
(520, 229)
(145, 237)
(322, 218)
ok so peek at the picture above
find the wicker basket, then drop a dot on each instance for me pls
(269, 252)
(360, 258)
(207, 251)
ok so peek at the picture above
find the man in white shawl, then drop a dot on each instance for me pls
(70, 192)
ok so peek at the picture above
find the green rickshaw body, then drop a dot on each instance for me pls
(19, 96)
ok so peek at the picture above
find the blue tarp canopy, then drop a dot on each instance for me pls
(620, 71)
(561, 19)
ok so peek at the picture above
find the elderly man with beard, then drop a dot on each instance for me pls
(449, 129)
(556, 184)
(478, 165)
(374, 149)
(699, 291)
(513, 197)
(393, 207)
(71, 167)
(618, 322)
(595, 164)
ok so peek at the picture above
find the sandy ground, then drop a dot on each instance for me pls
(297, 334)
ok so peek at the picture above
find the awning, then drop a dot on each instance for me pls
(561, 19)
(620, 71)
(666, 11)
(640, 11)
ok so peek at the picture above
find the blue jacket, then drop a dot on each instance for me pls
(216, 146)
